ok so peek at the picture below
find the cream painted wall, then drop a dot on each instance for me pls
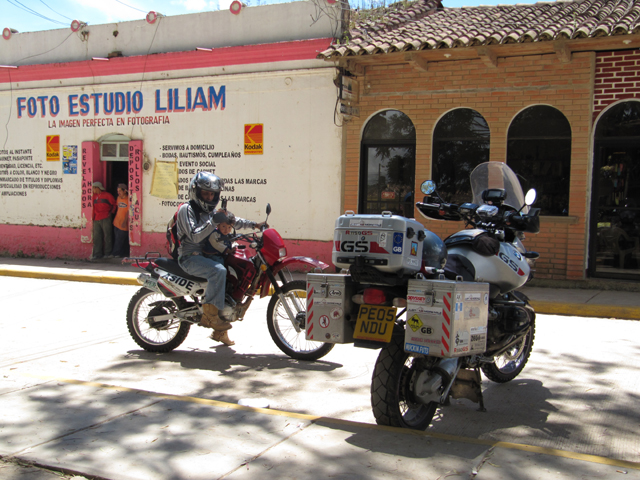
(300, 169)
(253, 26)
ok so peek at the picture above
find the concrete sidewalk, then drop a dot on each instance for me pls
(86, 429)
(599, 303)
(108, 432)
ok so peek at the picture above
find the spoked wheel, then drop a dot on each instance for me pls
(509, 365)
(155, 334)
(282, 331)
(392, 390)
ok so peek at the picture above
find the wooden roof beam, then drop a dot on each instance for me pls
(355, 68)
(418, 62)
(562, 51)
(488, 56)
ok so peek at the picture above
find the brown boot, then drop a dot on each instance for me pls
(222, 336)
(211, 319)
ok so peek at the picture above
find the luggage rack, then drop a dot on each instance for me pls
(361, 272)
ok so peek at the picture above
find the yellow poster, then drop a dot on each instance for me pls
(165, 180)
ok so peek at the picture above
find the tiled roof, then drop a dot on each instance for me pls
(426, 25)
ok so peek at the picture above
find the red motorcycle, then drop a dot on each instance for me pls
(161, 313)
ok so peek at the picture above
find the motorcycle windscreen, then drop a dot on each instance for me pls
(497, 175)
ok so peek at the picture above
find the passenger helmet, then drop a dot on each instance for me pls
(434, 251)
(207, 182)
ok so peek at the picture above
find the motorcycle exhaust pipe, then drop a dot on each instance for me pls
(433, 385)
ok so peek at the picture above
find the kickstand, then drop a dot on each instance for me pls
(478, 388)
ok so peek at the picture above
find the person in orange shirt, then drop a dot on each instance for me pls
(121, 223)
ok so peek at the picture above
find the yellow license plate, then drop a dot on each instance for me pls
(375, 323)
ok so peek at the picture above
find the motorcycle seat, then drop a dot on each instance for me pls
(171, 266)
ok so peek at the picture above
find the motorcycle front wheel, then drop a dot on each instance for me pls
(154, 336)
(283, 333)
(509, 365)
(392, 390)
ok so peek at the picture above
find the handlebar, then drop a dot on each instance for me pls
(524, 223)
(439, 211)
(469, 213)
(251, 236)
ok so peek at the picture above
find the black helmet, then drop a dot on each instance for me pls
(208, 182)
(434, 251)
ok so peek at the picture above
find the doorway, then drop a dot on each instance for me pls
(114, 153)
(615, 201)
(114, 157)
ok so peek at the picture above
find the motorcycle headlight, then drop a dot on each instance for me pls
(282, 252)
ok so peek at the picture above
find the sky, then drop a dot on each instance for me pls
(36, 15)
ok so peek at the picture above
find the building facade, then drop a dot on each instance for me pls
(552, 89)
(149, 103)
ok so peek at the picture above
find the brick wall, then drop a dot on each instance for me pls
(499, 94)
(617, 77)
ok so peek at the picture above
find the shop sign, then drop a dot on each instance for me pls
(253, 139)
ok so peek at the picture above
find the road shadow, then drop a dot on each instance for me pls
(225, 360)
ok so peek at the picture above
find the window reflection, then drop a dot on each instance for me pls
(539, 152)
(388, 164)
(461, 142)
(616, 193)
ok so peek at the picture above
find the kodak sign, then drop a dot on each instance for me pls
(53, 148)
(253, 139)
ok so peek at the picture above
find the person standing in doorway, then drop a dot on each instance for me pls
(121, 223)
(104, 205)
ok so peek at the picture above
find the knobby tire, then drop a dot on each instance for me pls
(284, 335)
(392, 398)
(509, 365)
(149, 338)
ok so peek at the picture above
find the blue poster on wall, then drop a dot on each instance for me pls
(70, 159)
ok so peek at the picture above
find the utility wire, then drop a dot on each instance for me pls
(38, 54)
(71, 19)
(21, 6)
(144, 67)
(6, 125)
(130, 6)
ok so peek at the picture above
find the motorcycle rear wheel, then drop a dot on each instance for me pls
(392, 399)
(284, 335)
(509, 365)
(160, 338)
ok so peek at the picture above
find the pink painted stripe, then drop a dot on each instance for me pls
(219, 57)
(66, 242)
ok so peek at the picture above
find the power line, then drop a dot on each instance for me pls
(41, 1)
(130, 6)
(21, 6)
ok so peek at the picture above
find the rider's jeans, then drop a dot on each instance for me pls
(213, 270)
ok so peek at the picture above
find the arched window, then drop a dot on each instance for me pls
(387, 171)
(615, 198)
(461, 142)
(539, 152)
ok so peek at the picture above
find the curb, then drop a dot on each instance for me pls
(123, 278)
(116, 278)
(586, 310)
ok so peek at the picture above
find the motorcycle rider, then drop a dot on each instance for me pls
(196, 220)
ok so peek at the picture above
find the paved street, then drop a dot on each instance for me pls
(69, 370)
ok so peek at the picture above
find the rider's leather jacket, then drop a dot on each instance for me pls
(195, 227)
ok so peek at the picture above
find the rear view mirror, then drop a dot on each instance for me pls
(428, 187)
